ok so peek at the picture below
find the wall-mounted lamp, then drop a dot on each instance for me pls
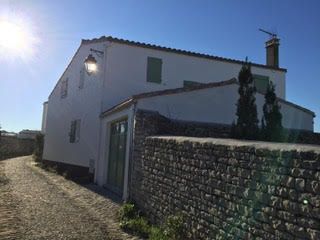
(90, 62)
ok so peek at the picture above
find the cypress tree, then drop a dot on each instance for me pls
(247, 122)
(273, 130)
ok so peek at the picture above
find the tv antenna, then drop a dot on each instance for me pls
(272, 35)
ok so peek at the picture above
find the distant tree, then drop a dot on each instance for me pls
(272, 129)
(246, 126)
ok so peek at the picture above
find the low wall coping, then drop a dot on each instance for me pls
(244, 143)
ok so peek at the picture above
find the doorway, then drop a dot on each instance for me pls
(117, 156)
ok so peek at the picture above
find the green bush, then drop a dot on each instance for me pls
(128, 211)
(157, 233)
(138, 226)
(174, 227)
(132, 222)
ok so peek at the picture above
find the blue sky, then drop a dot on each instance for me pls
(223, 28)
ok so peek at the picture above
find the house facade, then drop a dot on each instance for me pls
(89, 118)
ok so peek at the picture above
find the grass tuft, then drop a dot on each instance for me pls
(132, 221)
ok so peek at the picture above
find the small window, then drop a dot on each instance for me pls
(64, 88)
(75, 131)
(154, 69)
(261, 83)
(81, 79)
(191, 84)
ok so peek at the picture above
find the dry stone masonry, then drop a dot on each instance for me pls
(228, 189)
(232, 189)
(12, 147)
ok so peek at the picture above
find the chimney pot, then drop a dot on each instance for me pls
(272, 49)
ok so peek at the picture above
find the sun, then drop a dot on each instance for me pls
(16, 39)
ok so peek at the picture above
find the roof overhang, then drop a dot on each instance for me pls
(177, 51)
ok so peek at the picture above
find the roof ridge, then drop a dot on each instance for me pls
(174, 50)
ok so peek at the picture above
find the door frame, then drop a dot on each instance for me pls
(108, 146)
(103, 161)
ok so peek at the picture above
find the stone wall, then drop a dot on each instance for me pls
(13, 147)
(146, 124)
(149, 123)
(299, 136)
(232, 189)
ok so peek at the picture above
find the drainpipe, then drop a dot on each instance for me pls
(134, 109)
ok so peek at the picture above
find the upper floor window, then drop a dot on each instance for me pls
(74, 135)
(261, 83)
(81, 79)
(64, 88)
(154, 69)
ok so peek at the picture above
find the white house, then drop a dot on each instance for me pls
(89, 117)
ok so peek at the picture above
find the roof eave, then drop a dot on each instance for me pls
(178, 51)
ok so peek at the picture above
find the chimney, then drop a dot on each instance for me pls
(272, 47)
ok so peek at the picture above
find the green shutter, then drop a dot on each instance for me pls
(154, 69)
(261, 83)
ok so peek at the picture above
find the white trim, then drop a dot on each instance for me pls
(102, 163)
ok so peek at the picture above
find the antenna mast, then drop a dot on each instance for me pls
(272, 35)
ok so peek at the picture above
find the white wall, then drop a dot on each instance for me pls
(84, 104)
(127, 67)
(218, 105)
(44, 117)
(124, 75)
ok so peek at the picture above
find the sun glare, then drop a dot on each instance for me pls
(17, 39)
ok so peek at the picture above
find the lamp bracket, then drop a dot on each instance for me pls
(99, 53)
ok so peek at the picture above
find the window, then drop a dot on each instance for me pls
(154, 69)
(75, 131)
(187, 83)
(64, 88)
(81, 79)
(261, 83)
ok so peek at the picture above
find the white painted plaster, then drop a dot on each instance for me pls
(218, 105)
(121, 74)
(44, 117)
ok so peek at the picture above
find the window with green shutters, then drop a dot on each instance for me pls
(154, 69)
(261, 83)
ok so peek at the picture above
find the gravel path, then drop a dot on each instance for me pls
(36, 204)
